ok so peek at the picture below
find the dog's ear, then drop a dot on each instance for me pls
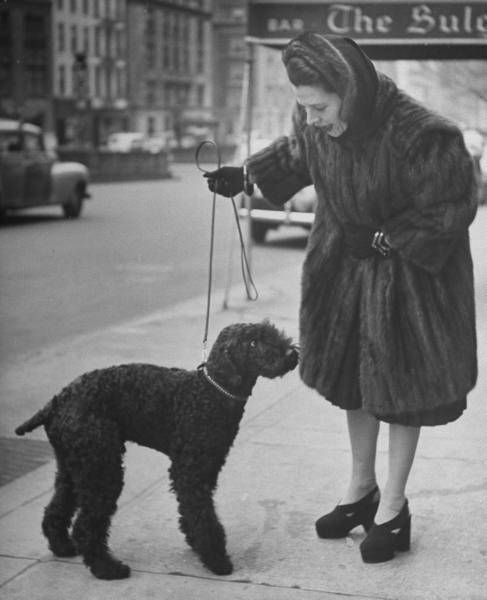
(223, 367)
(232, 374)
(222, 360)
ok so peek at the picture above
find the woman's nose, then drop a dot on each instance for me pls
(310, 116)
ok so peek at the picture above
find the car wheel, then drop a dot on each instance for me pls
(72, 208)
(258, 231)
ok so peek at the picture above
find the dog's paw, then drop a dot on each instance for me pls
(220, 566)
(64, 549)
(110, 569)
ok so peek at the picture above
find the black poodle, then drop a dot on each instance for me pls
(192, 416)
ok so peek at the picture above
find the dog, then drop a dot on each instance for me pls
(192, 416)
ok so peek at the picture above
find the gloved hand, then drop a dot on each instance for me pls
(363, 242)
(226, 181)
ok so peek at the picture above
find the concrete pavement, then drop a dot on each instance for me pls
(288, 466)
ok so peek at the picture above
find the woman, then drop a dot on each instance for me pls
(387, 318)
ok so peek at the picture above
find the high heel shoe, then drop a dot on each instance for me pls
(345, 517)
(384, 540)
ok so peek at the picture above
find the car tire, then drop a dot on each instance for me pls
(258, 231)
(73, 207)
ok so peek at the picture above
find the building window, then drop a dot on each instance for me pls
(120, 83)
(150, 44)
(60, 4)
(120, 12)
(200, 46)
(200, 91)
(35, 77)
(86, 7)
(97, 41)
(151, 125)
(74, 39)
(35, 53)
(96, 8)
(86, 40)
(97, 81)
(165, 42)
(61, 37)
(150, 54)
(150, 96)
(5, 54)
(62, 80)
(119, 44)
(73, 6)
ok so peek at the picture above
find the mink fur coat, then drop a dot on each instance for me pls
(394, 335)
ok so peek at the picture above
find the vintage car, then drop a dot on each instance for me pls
(298, 211)
(31, 176)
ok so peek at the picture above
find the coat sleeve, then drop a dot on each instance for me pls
(439, 187)
(280, 169)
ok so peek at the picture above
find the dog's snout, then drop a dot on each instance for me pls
(292, 357)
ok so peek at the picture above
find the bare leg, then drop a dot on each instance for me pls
(403, 442)
(363, 430)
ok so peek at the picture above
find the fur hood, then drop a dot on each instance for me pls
(344, 67)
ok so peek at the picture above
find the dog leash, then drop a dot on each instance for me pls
(250, 287)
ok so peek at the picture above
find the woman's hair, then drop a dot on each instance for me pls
(339, 66)
(300, 72)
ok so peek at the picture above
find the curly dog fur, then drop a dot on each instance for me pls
(191, 416)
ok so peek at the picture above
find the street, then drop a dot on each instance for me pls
(288, 461)
(137, 248)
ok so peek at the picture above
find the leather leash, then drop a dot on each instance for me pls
(250, 287)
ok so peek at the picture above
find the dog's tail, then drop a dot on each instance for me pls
(40, 418)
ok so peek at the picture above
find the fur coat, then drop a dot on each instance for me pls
(394, 335)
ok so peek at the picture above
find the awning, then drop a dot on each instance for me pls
(386, 29)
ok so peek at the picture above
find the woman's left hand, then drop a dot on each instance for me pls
(363, 242)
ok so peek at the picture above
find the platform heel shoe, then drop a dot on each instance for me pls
(345, 517)
(384, 540)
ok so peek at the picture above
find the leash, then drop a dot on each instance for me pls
(250, 288)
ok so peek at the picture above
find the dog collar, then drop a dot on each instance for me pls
(220, 388)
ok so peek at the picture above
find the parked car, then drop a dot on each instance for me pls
(125, 141)
(157, 143)
(31, 176)
(264, 216)
(299, 211)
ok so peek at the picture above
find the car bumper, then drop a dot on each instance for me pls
(278, 217)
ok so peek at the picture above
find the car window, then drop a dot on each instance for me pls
(10, 141)
(32, 142)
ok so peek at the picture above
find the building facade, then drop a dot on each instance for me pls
(169, 68)
(25, 61)
(90, 70)
(230, 61)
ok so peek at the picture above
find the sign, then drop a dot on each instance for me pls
(393, 22)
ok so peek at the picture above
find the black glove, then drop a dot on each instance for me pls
(363, 242)
(226, 181)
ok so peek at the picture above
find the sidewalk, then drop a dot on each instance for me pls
(288, 466)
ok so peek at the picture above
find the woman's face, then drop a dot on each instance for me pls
(322, 108)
